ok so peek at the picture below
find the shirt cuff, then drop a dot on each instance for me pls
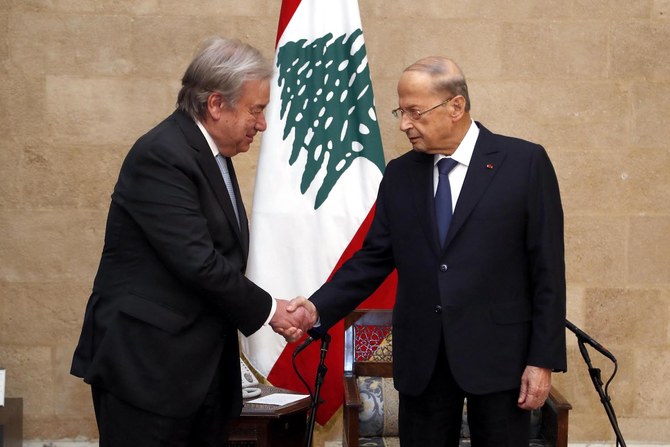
(273, 309)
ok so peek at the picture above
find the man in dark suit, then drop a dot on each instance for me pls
(480, 305)
(159, 342)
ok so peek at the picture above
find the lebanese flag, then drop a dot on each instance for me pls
(319, 169)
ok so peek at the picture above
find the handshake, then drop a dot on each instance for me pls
(293, 318)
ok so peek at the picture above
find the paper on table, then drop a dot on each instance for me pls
(278, 399)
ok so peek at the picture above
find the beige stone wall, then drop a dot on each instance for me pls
(589, 79)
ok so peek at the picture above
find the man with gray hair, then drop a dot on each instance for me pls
(159, 343)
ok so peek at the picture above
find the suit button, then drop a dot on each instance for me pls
(438, 309)
(443, 268)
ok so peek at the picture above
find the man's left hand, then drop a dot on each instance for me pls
(535, 386)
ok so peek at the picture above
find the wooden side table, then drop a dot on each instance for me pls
(11, 422)
(270, 425)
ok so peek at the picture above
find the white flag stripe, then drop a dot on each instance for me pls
(288, 266)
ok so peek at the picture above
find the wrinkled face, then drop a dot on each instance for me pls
(234, 128)
(433, 131)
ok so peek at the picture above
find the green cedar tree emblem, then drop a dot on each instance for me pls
(328, 102)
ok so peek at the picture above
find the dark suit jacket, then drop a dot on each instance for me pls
(495, 291)
(170, 292)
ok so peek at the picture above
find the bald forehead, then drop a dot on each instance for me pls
(415, 80)
(433, 73)
(436, 67)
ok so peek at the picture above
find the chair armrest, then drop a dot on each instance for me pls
(558, 401)
(555, 414)
(352, 405)
(352, 397)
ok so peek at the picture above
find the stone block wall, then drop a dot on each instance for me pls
(589, 79)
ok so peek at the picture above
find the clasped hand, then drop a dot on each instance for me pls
(293, 318)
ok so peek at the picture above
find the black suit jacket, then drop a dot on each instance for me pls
(495, 291)
(170, 292)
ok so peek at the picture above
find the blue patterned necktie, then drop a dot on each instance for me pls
(229, 183)
(443, 210)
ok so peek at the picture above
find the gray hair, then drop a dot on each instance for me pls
(447, 76)
(221, 65)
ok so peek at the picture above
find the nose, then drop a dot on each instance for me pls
(261, 123)
(405, 122)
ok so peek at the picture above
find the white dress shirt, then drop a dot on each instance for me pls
(463, 155)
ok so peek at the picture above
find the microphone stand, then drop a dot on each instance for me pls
(320, 374)
(583, 338)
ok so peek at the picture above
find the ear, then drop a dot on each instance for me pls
(458, 107)
(215, 104)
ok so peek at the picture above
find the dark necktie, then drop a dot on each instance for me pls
(443, 210)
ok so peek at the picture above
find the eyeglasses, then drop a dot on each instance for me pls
(414, 114)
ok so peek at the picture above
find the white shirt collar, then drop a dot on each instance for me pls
(463, 153)
(208, 137)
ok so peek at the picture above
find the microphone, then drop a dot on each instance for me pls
(587, 338)
(314, 335)
(308, 341)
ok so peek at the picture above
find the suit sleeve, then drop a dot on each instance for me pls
(363, 273)
(159, 187)
(545, 242)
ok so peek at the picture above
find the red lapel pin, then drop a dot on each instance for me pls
(489, 166)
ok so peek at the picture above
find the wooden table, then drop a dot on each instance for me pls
(270, 425)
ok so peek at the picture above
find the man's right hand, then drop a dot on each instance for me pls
(293, 318)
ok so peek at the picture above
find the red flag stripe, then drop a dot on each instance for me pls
(288, 8)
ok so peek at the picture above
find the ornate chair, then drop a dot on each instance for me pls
(371, 401)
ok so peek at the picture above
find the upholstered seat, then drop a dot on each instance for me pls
(371, 401)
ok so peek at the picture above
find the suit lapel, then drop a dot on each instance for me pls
(211, 170)
(421, 177)
(244, 223)
(485, 163)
